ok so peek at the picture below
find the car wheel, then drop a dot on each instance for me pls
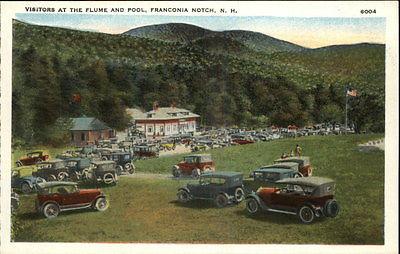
(108, 178)
(331, 208)
(51, 210)
(252, 206)
(101, 204)
(306, 214)
(221, 200)
(104, 158)
(176, 172)
(19, 164)
(130, 168)
(26, 188)
(51, 178)
(62, 176)
(297, 175)
(195, 173)
(239, 195)
(183, 196)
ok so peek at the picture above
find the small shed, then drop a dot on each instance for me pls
(89, 130)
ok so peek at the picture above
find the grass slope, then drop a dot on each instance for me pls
(145, 210)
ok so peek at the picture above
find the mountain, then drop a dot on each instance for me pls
(226, 77)
(185, 33)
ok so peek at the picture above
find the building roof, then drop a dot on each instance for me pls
(88, 124)
(135, 113)
(165, 113)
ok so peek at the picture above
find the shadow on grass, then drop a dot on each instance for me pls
(37, 216)
(274, 218)
(195, 204)
(88, 185)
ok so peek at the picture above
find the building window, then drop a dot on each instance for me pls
(149, 129)
(168, 128)
(82, 136)
(161, 128)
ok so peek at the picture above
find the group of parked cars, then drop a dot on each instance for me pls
(286, 187)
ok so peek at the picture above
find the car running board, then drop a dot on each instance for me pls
(74, 208)
(280, 211)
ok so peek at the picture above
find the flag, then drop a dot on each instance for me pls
(352, 93)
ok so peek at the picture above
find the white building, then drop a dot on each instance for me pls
(164, 121)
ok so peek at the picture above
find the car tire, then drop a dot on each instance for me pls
(130, 168)
(196, 173)
(298, 174)
(331, 208)
(239, 195)
(183, 196)
(26, 188)
(51, 210)
(108, 178)
(51, 178)
(19, 164)
(221, 200)
(101, 204)
(252, 206)
(306, 214)
(62, 176)
(104, 158)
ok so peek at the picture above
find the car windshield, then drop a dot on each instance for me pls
(212, 180)
(190, 159)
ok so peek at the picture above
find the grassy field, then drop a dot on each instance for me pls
(145, 210)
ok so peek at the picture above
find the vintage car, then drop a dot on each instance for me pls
(124, 161)
(145, 151)
(223, 188)
(242, 139)
(268, 175)
(198, 147)
(25, 184)
(304, 166)
(194, 165)
(56, 197)
(77, 167)
(167, 145)
(32, 158)
(102, 172)
(52, 170)
(306, 197)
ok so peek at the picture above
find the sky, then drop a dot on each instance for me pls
(307, 32)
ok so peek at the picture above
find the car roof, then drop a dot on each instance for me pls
(55, 183)
(309, 181)
(282, 165)
(224, 174)
(274, 170)
(294, 158)
(102, 162)
(52, 161)
(35, 152)
(198, 155)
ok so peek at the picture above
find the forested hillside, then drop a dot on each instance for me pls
(228, 80)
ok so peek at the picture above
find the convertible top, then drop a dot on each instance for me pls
(55, 183)
(308, 181)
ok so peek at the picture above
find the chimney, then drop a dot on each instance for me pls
(155, 105)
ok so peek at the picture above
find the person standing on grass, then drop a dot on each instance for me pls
(298, 150)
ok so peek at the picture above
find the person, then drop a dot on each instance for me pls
(298, 150)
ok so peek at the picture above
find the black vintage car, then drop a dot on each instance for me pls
(221, 187)
(77, 167)
(52, 170)
(102, 172)
(124, 161)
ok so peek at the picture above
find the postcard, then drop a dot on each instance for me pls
(209, 127)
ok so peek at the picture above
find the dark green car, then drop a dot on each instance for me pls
(267, 175)
(222, 187)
